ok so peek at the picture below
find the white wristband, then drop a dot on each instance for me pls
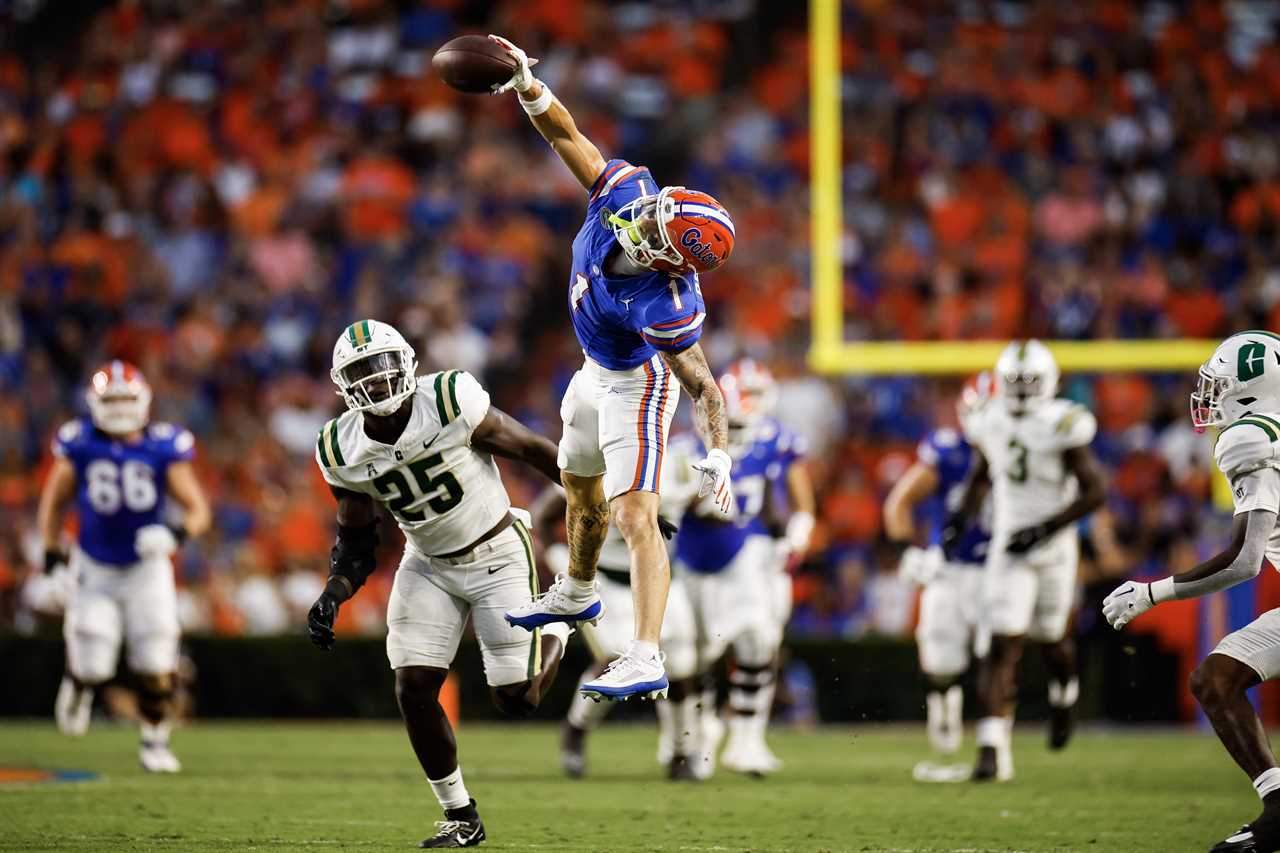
(540, 104)
(1162, 590)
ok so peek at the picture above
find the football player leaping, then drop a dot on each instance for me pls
(120, 469)
(637, 310)
(952, 587)
(424, 448)
(1239, 390)
(1033, 451)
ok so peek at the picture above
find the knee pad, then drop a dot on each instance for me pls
(90, 660)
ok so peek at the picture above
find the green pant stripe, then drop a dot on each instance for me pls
(535, 646)
(440, 410)
(333, 442)
(453, 393)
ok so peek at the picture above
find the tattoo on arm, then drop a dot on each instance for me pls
(690, 367)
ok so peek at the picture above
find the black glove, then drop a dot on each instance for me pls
(668, 529)
(320, 620)
(1027, 538)
(54, 558)
(180, 533)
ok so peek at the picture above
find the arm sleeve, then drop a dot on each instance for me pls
(323, 461)
(1246, 565)
(673, 318)
(1243, 448)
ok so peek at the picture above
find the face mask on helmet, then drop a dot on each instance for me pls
(1242, 377)
(1021, 390)
(643, 240)
(120, 414)
(378, 383)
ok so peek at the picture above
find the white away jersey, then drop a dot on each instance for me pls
(1246, 453)
(1029, 478)
(443, 493)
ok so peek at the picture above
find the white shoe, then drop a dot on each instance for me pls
(711, 736)
(629, 675)
(72, 707)
(928, 771)
(157, 758)
(562, 602)
(750, 758)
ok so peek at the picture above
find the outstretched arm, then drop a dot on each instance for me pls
(351, 562)
(690, 367)
(503, 435)
(551, 119)
(1239, 562)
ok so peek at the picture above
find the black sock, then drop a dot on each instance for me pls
(467, 812)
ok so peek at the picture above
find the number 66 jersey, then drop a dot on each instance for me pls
(444, 493)
(120, 485)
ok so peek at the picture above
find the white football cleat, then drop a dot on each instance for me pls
(72, 707)
(929, 771)
(157, 758)
(752, 759)
(562, 602)
(629, 675)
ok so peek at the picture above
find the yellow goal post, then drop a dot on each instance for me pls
(829, 352)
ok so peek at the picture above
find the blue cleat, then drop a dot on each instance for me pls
(562, 602)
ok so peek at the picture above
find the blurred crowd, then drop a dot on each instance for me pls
(214, 190)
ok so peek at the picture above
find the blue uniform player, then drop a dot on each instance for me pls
(735, 570)
(119, 470)
(637, 310)
(950, 600)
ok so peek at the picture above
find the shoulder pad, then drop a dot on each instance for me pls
(329, 449)
(1247, 445)
(458, 395)
(1073, 424)
(69, 435)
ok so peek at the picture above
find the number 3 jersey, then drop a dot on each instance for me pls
(621, 321)
(1030, 481)
(1248, 454)
(120, 486)
(444, 493)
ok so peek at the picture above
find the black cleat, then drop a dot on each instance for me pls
(1261, 836)
(460, 828)
(987, 767)
(681, 769)
(1241, 842)
(573, 751)
(1062, 726)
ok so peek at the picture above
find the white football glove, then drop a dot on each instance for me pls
(715, 470)
(1126, 603)
(523, 78)
(155, 541)
(920, 565)
(799, 531)
(50, 592)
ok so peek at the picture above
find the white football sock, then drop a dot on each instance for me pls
(1267, 781)
(580, 588)
(154, 734)
(451, 791)
(561, 631)
(1064, 695)
(642, 650)
(585, 714)
(684, 725)
(992, 731)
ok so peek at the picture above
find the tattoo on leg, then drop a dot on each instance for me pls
(586, 527)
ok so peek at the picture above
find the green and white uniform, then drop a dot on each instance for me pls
(444, 494)
(1248, 454)
(1033, 593)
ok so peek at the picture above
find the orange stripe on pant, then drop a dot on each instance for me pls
(662, 441)
(644, 410)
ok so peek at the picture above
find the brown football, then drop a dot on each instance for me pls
(473, 64)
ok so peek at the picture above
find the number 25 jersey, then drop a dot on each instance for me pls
(120, 486)
(1029, 478)
(444, 493)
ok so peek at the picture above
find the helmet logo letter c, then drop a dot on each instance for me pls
(1251, 361)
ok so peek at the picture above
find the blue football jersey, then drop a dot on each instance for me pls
(946, 451)
(621, 321)
(710, 544)
(120, 487)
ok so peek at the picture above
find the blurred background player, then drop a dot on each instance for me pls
(952, 586)
(637, 309)
(1239, 391)
(1032, 452)
(678, 712)
(120, 470)
(424, 449)
(732, 566)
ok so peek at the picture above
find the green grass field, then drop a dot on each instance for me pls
(275, 786)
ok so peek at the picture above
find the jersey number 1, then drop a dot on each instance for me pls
(395, 487)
